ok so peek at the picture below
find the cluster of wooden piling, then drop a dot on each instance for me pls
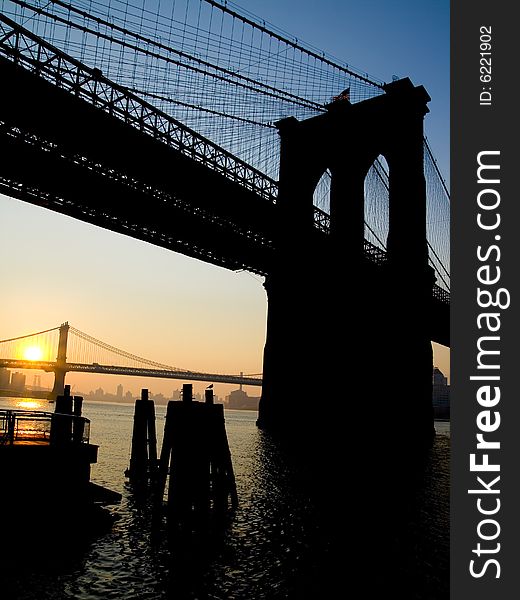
(195, 455)
(143, 459)
(64, 427)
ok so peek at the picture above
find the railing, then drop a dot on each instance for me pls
(373, 253)
(321, 220)
(26, 426)
(441, 294)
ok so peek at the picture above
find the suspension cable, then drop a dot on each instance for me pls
(250, 83)
(29, 335)
(295, 45)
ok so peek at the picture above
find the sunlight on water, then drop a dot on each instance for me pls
(272, 544)
(31, 404)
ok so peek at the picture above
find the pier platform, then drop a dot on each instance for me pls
(45, 461)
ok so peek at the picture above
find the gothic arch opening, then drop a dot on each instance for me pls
(321, 197)
(376, 211)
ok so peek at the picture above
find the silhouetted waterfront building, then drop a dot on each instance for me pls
(18, 382)
(119, 392)
(440, 394)
(5, 378)
(37, 382)
(238, 399)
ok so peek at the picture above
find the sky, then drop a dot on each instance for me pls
(176, 310)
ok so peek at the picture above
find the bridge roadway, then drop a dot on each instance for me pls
(115, 370)
(118, 167)
(92, 150)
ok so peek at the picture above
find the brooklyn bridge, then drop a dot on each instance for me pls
(206, 132)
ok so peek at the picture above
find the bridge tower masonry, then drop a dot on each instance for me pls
(360, 343)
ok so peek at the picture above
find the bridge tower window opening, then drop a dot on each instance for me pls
(376, 211)
(321, 198)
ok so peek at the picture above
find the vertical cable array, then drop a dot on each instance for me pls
(84, 349)
(437, 219)
(40, 346)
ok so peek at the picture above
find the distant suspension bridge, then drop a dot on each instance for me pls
(65, 348)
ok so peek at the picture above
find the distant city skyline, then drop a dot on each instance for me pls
(115, 385)
(174, 309)
(117, 390)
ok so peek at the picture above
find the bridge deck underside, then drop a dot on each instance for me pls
(61, 153)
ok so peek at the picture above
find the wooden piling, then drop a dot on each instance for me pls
(152, 440)
(63, 404)
(164, 460)
(187, 392)
(78, 425)
(195, 452)
(61, 421)
(143, 459)
(223, 477)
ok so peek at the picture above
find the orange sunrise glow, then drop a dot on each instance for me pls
(33, 353)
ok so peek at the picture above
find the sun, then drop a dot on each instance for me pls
(33, 353)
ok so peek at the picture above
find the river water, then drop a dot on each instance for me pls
(272, 545)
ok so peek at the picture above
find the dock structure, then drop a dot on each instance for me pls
(45, 454)
(143, 459)
(195, 453)
(45, 460)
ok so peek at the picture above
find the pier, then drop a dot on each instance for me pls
(194, 459)
(46, 459)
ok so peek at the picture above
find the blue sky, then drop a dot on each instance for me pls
(177, 310)
(383, 38)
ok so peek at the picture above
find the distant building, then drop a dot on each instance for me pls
(119, 392)
(18, 382)
(5, 378)
(37, 382)
(239, 400)
(129, 396)
(440, 394)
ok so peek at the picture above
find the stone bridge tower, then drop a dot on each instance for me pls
(355, 335)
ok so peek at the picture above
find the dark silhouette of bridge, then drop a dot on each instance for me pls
(66, 349)
(89, 128)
